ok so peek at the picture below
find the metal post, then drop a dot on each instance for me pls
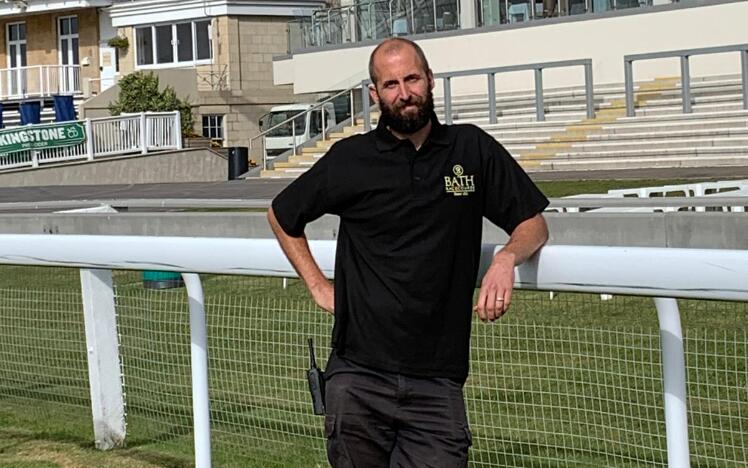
(41, 81)
(324, 126)
(744, 68)
(143, 135)
(199, 357)
(447, 100)
(353, 108)
(674, 382)
(34, 158)
(589, 90)
(264, 152)
(89, 139)
(491, 98)
(685, 80)
(293, 134)
(366, 112)
(104, 366)
(628, 71)
(539, 106)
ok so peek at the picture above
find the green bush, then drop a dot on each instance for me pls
(139, 92)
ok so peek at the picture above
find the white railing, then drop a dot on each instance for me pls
(39, 81)
(676, 273)
(109, 136)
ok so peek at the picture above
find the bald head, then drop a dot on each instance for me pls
(394, 46)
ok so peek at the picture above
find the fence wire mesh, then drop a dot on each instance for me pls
(573, 381)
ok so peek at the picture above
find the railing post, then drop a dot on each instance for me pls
(89, 140)
(685, 80)
(674, 382)
(366, 111)
(41, 80)
(324, 126)
(293, 135)
(539, 106)
(178, 129)
(353, 108)
(447, 100)
(491, 98)
(264, 152)
(104, 366)
(744, 74)
(629, 84)
(34, 158)
(589, 88)
(143, 135)
(199, 357)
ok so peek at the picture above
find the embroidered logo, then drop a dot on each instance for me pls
(461, 184)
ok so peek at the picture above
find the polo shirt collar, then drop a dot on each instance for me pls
(386, 141)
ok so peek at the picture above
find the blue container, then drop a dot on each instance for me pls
(162, 280)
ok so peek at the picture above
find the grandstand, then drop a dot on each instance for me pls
(668, 124)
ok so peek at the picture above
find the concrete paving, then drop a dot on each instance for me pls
(268, 188)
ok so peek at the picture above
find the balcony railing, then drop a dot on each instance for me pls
(373, 20)
(379, 19)
(39, 81)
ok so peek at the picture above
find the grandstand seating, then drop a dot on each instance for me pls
(660, 135)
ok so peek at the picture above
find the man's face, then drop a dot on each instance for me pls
(403, 90)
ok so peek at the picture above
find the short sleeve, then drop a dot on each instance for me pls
(304, 200)
(510, 197)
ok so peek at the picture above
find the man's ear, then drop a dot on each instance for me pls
(430, 74)
(373, 93)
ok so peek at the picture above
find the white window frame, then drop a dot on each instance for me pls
(174, 44)
(16, 42)
(221, 118)
(69, 37)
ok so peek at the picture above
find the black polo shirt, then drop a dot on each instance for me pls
(409, 240)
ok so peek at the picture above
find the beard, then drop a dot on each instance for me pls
(407, 123)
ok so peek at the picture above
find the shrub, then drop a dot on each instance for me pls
(139, 92)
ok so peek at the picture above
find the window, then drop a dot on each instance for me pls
(213, 127)
(178, 43)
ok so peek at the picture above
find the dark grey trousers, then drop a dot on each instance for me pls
(379, 419)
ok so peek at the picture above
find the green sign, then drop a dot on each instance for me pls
(41, 137)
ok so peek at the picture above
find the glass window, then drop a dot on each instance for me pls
(64, 26)
(202, 38)
(184, 42)
(73, 25)
(213, 127)
(164, 46)
(286, 130)
(174, 43)
(144, 43)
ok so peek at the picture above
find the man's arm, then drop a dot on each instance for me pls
(496, 288)
(298, 253)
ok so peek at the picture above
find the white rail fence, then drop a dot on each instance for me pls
(667, 274)
(108, 136)
(39, 80)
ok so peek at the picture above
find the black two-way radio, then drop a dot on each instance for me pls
(316, 379)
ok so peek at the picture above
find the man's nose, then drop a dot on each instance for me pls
(404, 91)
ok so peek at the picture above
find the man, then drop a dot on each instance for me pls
(411, 196)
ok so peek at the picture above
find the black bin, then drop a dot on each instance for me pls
(238, 161)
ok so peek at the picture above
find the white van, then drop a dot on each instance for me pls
(307, 126)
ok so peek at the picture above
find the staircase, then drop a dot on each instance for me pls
(12, 115)
(660, 135)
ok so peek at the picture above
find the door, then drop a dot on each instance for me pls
(68, 51)
(15, 78)
(108, 58)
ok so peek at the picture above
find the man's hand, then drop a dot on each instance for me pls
(496, 288)
(324, 296)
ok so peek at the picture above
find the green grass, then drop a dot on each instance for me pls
(568, 382)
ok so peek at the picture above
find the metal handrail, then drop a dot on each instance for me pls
(491, 75)
(685, 76)
(319, 105)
